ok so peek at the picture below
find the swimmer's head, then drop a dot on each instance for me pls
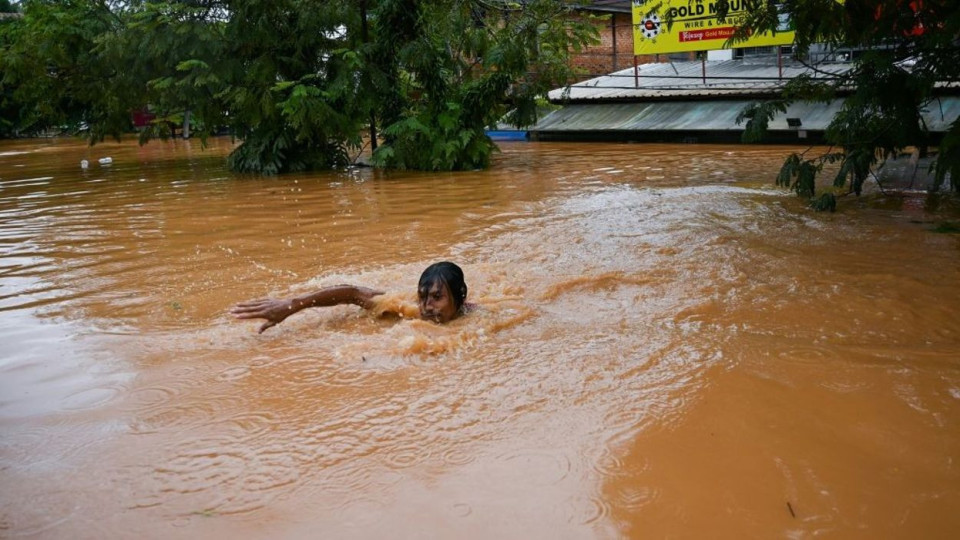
(441, 292)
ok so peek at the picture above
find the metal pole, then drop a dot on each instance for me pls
(613, 30)
(780, 62)
(636, 73)
(186, 124)
(703, 69)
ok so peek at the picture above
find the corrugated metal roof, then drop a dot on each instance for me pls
(673, 100)
(604, 6)
(724, 78)
(674, 116)
(610, 6)
(712, 115)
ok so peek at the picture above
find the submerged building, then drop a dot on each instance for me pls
(698, 102)
(697, 97)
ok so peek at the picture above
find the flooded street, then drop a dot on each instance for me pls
(666, 345)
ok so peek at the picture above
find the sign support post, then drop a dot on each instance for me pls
(779, 63)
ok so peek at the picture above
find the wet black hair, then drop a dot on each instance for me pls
(447, 273)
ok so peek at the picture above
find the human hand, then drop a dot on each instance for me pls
(274, 310)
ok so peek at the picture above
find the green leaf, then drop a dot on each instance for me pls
(826, 202)
(757, 116)
(193, 63)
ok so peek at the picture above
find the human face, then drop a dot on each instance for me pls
(436, 303)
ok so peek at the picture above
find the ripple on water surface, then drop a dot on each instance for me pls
(40, 515)
(611, 280)
(224, 474)
(90, 398)
(538, 467)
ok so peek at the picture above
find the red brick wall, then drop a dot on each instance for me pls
(601, 59)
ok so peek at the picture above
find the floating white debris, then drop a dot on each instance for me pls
(84, 164)
(105, 160)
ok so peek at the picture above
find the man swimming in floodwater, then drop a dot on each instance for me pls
(441, 296)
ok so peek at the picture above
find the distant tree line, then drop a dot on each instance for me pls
(302, 83)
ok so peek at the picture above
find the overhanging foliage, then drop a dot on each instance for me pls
(906, 54)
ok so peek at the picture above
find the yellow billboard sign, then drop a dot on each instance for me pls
(694, 27)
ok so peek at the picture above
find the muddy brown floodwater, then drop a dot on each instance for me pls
(667, 346)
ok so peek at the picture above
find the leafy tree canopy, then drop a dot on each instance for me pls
(906, 55)
(299, 82)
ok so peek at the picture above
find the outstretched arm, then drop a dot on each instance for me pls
(275, 310)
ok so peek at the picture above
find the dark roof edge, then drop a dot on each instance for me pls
(604, 6)
(670, 97)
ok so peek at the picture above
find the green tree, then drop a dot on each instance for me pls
(906, 52)
(266, 70)
(297, 81)
(452, 68)
(9, 107)
(52, 71)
